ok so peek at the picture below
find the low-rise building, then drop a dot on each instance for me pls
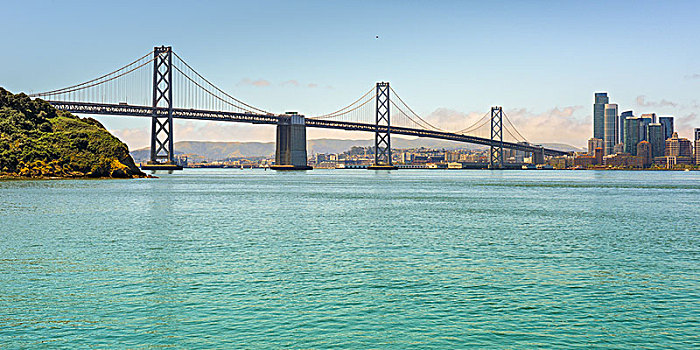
(623, 160)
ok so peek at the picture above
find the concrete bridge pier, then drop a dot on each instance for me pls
(290, 152)
(538, 156)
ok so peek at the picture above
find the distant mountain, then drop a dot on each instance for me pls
(212, 151)
(563, 147)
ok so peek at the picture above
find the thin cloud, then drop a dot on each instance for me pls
(294, 83)
(257, 83)
(311, 85)
(642, 102)
(693, 76)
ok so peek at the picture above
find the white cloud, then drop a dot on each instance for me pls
(557, 125)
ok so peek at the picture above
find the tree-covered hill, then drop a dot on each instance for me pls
(36, 140)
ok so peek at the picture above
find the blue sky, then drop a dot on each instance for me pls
(450, 61)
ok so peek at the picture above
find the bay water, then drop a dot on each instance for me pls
(353, 259)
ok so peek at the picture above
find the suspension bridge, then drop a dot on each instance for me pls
(162, 86)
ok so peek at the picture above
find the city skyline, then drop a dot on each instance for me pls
(312, 71)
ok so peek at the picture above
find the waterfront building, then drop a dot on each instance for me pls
(624, 115)
(667, 123)
(656, 139)
(644, 151)
(601, 99)
(594, 143)
(697, 146)
(610, 132)
(631, 134)
(598, 154)
(623, 160)
(451, 156)
(678, 147)
(644, 122)
(584, 161)
(669, 162)
(619, 148)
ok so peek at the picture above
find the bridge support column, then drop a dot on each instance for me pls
(496, 154)
(161, 123)
(290, 152)
(538, 156)
(382, 131)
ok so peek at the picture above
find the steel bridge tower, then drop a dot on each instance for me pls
(162, 149)
(496, 156)
(382, 131)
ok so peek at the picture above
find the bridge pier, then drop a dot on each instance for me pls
(382, 131)
(538, 156)
(290, 150)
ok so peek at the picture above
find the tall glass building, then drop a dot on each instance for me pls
(644, 121)
(667, 123)
(656, 139)
(624, 115)
(631, 134)
(601, 99)
(610, 132)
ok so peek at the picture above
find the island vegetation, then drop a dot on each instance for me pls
(39, 141)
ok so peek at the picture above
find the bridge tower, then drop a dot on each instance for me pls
(162, 123)
(496, 156)
(382, 131)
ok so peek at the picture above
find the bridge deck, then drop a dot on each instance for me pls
(178, 113)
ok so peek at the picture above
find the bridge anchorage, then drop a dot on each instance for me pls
(163, 87)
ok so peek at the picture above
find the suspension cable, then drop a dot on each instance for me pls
(514, 128)
(91, 85)
(344, 113)
(325, 116)
(72, 88)
(216, 87)
(414, 113)
(474, 126)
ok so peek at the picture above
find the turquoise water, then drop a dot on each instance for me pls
(353, 259)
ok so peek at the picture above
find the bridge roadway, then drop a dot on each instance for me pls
(272, 119)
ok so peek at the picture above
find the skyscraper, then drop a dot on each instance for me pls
(601, 99)
(650, 115)
(667, 123)
(610, 134)
(631, 134)
(697, 146)
(624, 115)
(644, 122)
(656, 139)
